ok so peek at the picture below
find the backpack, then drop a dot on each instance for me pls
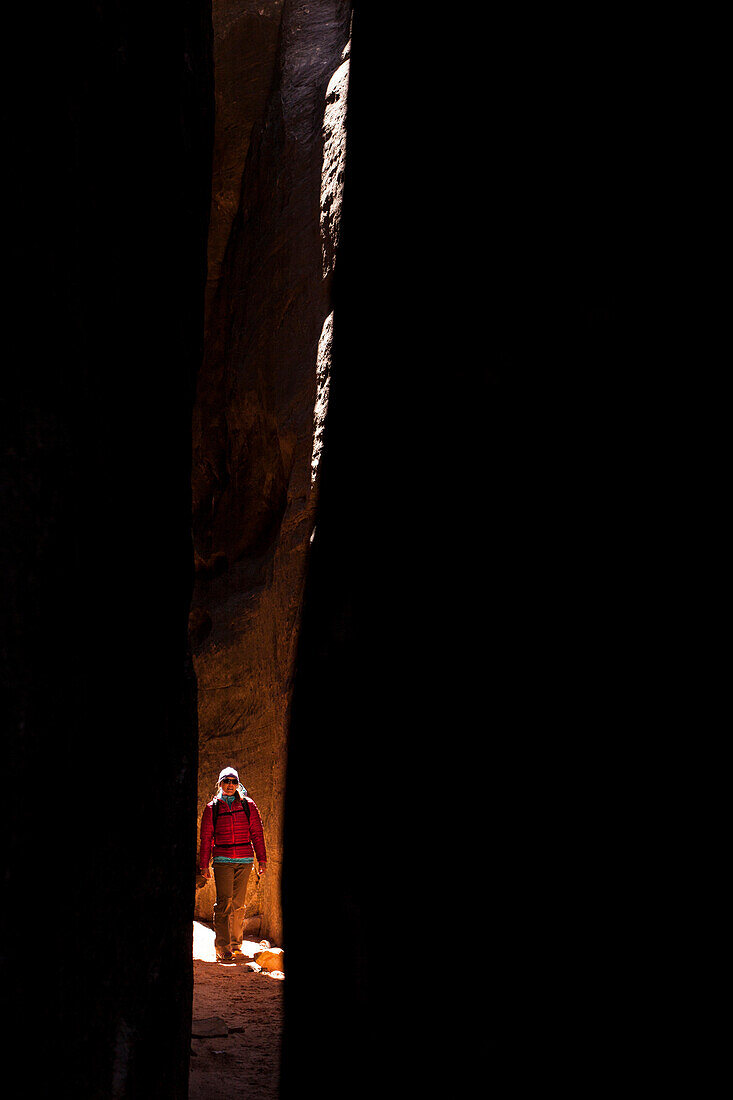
(215, 810)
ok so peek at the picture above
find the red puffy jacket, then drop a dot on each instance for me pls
(236, 837)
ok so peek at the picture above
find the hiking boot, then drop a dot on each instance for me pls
(224, 957)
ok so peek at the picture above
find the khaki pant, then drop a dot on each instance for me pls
(231, 888)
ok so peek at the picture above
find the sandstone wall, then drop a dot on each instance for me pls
(246, 34)
(105, 199)
(464, 709)
(263, 390)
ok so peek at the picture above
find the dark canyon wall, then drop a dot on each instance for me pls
(281, 78)
(465, 686)
(108, 131)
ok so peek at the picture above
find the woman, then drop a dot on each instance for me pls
(231, 825)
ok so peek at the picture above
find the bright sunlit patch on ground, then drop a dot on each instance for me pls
(203, 944)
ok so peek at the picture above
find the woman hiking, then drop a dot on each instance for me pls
(231, 827)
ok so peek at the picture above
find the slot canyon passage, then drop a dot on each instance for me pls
(281, 79)
(311, 402)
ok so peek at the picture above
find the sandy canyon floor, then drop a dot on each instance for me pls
(238, 1014)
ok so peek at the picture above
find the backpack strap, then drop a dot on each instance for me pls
(215, 810)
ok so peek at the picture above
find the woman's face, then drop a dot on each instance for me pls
(228, 785)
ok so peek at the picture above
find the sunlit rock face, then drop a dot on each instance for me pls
(281, 79)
